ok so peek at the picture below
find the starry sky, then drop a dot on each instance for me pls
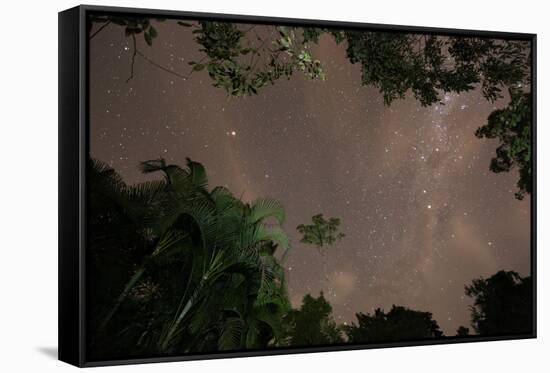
(422, 213)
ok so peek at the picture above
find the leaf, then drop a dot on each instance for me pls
(152, 32)
(283, 30)
(148, 38)
(231, 332)
(197, 172)
(285, 43)
(198, 67)
(264, 208)
(184, 24)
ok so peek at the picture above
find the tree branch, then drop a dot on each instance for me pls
(156, 64)
(250, 28)
(133, 59)
(100, 28)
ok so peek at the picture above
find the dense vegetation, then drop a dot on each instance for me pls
(399, 324)
(242, 59)
(174, 266)
(501, 302)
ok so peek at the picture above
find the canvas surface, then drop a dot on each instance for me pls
(254, 187)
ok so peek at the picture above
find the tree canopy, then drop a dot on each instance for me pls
(322, 233)
(462, 331)
(312, 323)
(512, 127)
(178, 266)
(502, 304)
(399, 324)
(243, 58)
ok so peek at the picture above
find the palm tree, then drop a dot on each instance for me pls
(233, 293)
(119, 225)
(236, 246)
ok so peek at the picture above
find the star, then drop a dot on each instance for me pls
(308, 144)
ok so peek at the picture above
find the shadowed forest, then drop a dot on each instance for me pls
(178, 266)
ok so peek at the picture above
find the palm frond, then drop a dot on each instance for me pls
(152, 165)
(275, 234)
(198, 174)
(272, 319)
(103, 177)
(231, 333)
(169, 239)
(147, 191)
(265, 208)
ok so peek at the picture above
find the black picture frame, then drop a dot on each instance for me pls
(74, 149)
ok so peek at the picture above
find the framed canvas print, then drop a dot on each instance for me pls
(238, 186)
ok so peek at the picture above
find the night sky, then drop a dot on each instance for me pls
(422, 213)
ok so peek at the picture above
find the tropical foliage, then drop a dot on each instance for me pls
(176, 266)
(242, 59)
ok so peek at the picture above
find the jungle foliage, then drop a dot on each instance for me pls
(176, 266)
(242, 59)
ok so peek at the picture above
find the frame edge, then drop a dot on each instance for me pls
(72, 165)
(69, 149)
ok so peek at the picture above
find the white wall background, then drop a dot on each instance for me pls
(28, 184)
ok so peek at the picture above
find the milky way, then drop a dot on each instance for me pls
(421, 211)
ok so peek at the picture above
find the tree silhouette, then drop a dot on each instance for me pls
(177, 267)
(322, 234)
(312, 324)
(399, 324)
(242, 59)
(462, 331)
(512, 127)
(502, 304)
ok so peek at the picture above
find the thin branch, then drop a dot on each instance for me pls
(250, 28)
(156, 64)
(100, 28)
(163, 68)
(133, 58)
(257, 36)
(254, 59)
(258, 57)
